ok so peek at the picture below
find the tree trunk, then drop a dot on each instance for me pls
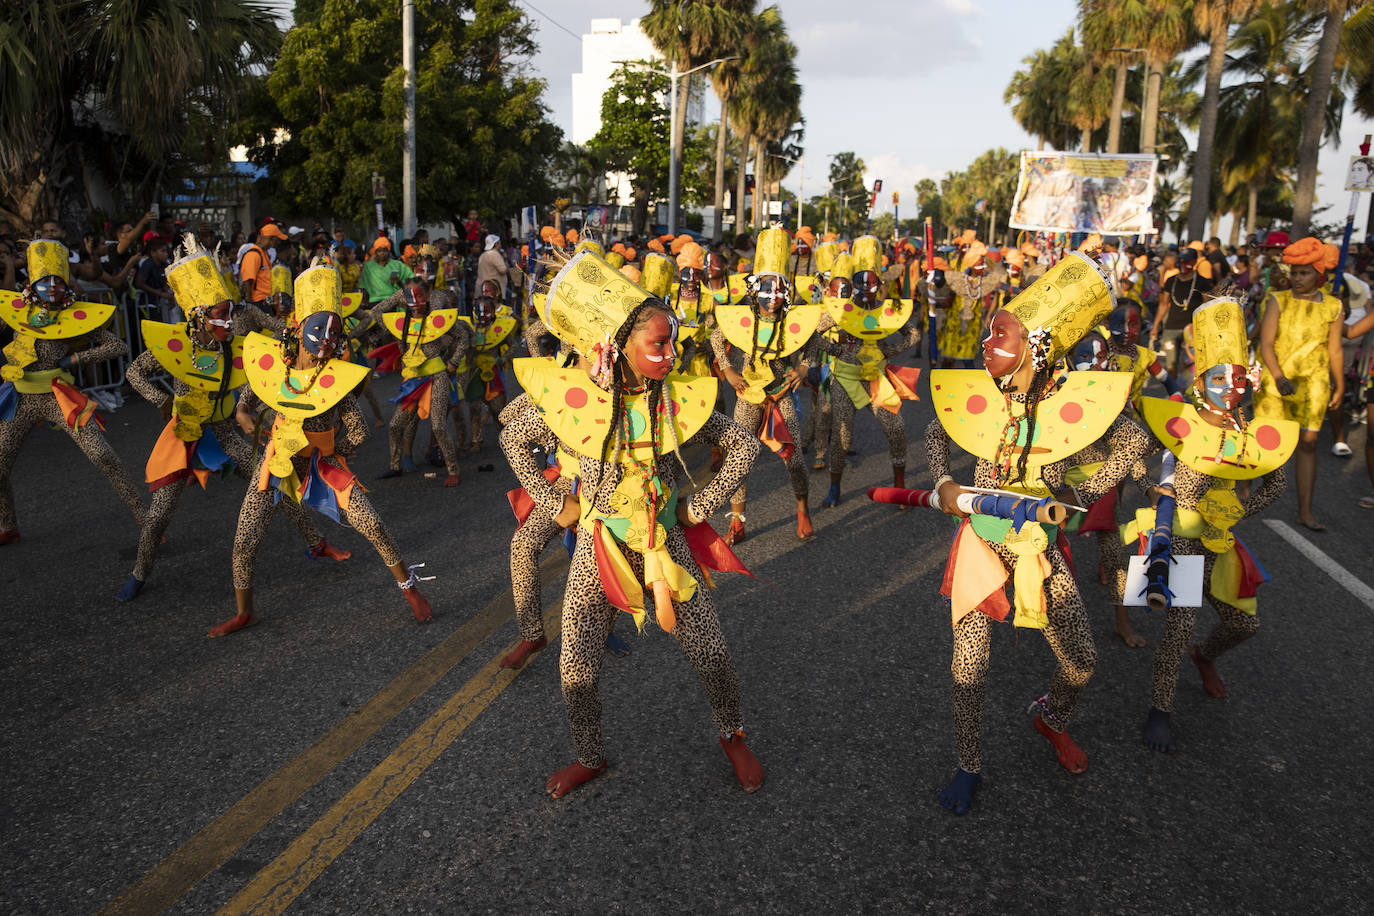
(1216, 227)
(1086, 142)
(1314, 118)
(679, 128)
(1149, 120)
(1118, 104)
(1235, 229)
(760, 217)
(722, 135)
(1252, 210)
(1200, 200)
(741, 167)
(640, 219)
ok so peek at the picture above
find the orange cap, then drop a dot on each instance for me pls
(572, 236)
(679, 243)
(691, 255)
(939, 263)
(656, 245)
(1305, 251)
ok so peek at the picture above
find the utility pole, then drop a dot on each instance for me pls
(408, 145)
(674, 149)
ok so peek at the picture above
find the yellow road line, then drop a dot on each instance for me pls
(215, 843)
(287, 876)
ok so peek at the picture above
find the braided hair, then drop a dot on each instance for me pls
(1041, 386)
(195, 323)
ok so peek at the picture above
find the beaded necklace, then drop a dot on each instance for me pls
(1005, 456)
(647, 470)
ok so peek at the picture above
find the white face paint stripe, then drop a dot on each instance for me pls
(1000, 352)
(657, 359)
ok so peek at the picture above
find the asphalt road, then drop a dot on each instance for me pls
(340, 758)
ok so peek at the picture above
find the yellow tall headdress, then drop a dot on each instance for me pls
(593, 246)
(843, 266)
(196, 281)
(1068, 301)
(771, 252)
(281, 279)
(589, 300)
(615, 259)
(318, 289)
(658, 273)
(825, 254)
(1219, 334)
(48, 259)
(867, 253)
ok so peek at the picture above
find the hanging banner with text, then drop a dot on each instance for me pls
(1084, 192)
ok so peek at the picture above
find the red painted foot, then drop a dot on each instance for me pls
(1211, 681)
(517, 657)
(452, 480)
(9, 537)
(1071, 756)
(804, 530)
(570, 777)
(748, 770)
(233, 624)
(736, 532)
(326, 549)
(418, 605)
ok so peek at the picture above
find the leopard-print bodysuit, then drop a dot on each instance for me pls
(841, 433)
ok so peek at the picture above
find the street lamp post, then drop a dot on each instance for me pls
(800, 162)
(408, 196)
(675, 138)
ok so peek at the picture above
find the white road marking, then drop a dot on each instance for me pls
(1329, 566)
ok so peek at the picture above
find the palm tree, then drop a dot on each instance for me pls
(1090, 93)
(725, 78)
(1165, 30)
(1036, 93)
(768, 100)
(1314, 113)
(1213, 19)
(1112, 27)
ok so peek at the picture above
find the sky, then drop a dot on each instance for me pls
(914, 87)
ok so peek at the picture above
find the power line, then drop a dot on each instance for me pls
(551, 19)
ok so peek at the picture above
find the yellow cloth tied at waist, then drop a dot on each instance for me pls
(191, 411)
(1227, 568)
(291, 438)
(1029, 572)
(415, 365)
(39, 382)
(19, 353)
(667, 580)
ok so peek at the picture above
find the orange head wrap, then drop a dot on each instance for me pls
(618, 248)
(975, 254)
(1015, 258)
(1196, 246)
(656, 245)
(1030, 251)
(967, 237)
(690, 255)
(939, 263)
(572, 236)
(630, 253)
(679, 243)
(630, 271)
(557, 240)
(830, 237)
(545, 232)
(1333, 256)
(1305, 251)
(844, 246)
(382, 242)
(804, 236)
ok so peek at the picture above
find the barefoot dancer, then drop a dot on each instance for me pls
(53, 335)
(625, 422)
(1010, 406)
(304, 461)
(765, 337)
(204, 357)
(1214, 447)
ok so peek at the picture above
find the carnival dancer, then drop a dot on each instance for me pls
(493, 330)
(625, 422)
(433, 341)
(1022, 423)
(818, 380)
(975, 289)
(759, 348)
(933, 290)
(54, 334)
(204, 357)
(305, 457)
(1212, 448)
(871, 331)
(1300, 345)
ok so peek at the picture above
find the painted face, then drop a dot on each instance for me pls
(220, 318)
(1124, 323)
(715, 266)
(1091, 353)
(282, 303)
(650, 348)
(320, 334)
(839, 288)
(866, 285)
(1004, 349)
(937, 279)
(491, 288)
(1306, 278)
(416, 297)
(772, 294)
(51, 289)
(426, 269)
(1224, 385)
(690, 278)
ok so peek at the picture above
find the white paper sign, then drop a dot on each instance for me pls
(1185, 581)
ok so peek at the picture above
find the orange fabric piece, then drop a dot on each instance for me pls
(974, 578)
(77, 409)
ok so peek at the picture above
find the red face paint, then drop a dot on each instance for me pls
(1005, 346)
(650, 347)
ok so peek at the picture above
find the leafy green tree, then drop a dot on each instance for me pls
(847, 190)
(334, 98)
(127, 91)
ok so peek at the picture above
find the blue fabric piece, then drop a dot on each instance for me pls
(407, 387)
(832, 497)
(317, 494)
(1264, 573)
(9, 401)
(570, 540)
(210, 455)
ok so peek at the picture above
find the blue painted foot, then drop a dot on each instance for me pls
(617, 646)
(407, 463)
(832, 498)
(130, 590)
(958, 795)
(1158, 735)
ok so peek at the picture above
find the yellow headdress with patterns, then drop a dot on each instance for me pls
(615, 259)
(589, 300)
(843, 266)
(771, 252)
(657, 275)
(47, 258)
(196, 280)
(318, 289)
(867, 253)
(825, 255)
(593, 246)
(1219, 334)
(1065, 303)
(281, 279)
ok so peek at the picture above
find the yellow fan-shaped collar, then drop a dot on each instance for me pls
(80, 318)
(578, 412)
(495, 333)
(1265, 445)
(877, 323)
(264, 365)
(434, 326)
(973, 411)
(349, 303)
(172, 346)
(799, 322)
